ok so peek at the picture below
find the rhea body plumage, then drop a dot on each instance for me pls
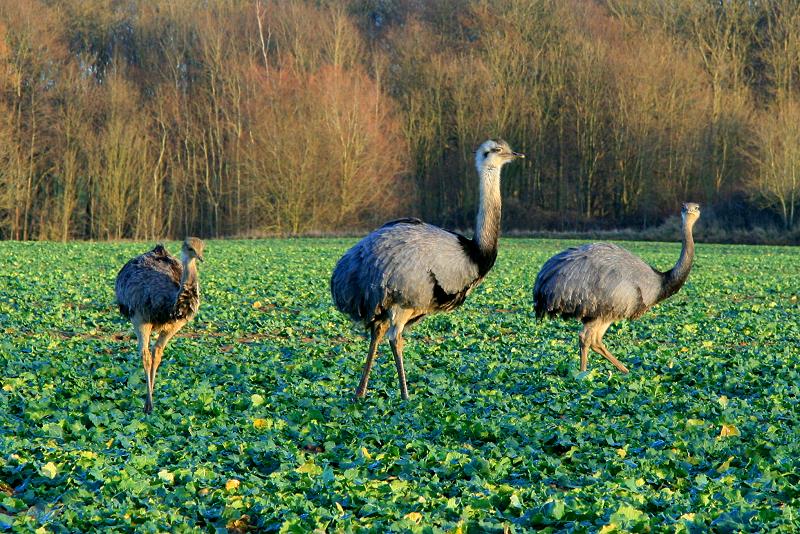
(407, 269)
(159, 295)
(601, 283)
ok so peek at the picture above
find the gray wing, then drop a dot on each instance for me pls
(148, 285)
(596, 280)
(408, 263)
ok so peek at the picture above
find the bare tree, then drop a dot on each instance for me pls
(776, 182)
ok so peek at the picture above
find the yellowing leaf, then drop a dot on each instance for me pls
(687, 517)
(256, 399)
(622, 453)
(728, 430)
(232, 484)
(260, 423)
(708, 344)
(166, 476)
(416, 517)
(49, 470)
(309, 467)
(8, 387)
(627, 514)
(694, 422)
(366, 453)
(239, 525)
(257, 304)
(723, 401)
(109, 442)
(611, 527)
(339, 507)
(725, 465)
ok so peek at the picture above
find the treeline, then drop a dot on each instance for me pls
(143, 119)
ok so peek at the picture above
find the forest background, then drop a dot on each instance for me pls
(161, 118)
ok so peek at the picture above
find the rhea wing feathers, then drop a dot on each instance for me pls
(596, 280)
(405, 262)
(148, 285)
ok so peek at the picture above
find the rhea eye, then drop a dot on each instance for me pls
(496, 149)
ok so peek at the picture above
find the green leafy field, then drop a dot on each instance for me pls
(255, 428)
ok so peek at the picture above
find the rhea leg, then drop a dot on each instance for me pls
(599, 347)
(376, 335)
(143, 336)
(584, 341)
(397, 350)
(399, 320)
(167, 331)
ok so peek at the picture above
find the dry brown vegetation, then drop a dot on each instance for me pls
(147, 119)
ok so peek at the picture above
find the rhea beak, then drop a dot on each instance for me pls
(200, 257)
(517, 155)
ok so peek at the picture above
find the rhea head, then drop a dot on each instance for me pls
(192, 248)
(494, 153)
(690, 213)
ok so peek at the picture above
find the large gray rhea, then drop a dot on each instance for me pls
(159, 294)
(601, 283)
(407, 269)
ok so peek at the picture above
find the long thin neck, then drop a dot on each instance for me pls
(190, 277)
(487, 223)
(187, 300)
(675, 277)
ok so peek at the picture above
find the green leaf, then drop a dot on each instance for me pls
(6, 521)
(626, 515)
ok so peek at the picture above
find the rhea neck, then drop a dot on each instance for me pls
(675, 277)
(487, 222)
(189, 277)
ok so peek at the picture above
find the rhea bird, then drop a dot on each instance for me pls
(601, 283)
(407, 269)
(159, 294)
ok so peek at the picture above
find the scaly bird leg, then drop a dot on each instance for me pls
(377, 333)
(158, 352)
(400, 317)
(143, 335)
(397, 350)
(583, 338)
(601, 349)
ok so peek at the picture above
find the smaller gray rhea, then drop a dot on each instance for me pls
(601, 283)
(159, 294)
(407, 269)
